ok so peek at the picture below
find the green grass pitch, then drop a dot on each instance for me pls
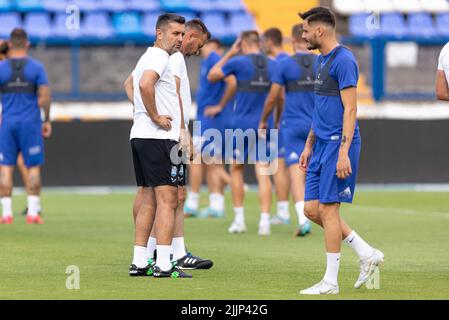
(95, 233)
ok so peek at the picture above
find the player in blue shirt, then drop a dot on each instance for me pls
(295, 74)
(210, 94)
(25, 91)
(331, 153)
(253, 72)
(272, 43)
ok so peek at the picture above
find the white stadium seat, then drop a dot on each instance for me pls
(435, 6)
(379, 5)
(407, 6)
(348, 7)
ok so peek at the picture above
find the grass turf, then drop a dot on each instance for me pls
(95, 233)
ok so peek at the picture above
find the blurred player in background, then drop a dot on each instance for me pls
(217, 95)
(295, 74)
(335, 140)
(25, 91)
(253, 71)
(442, 79)
(272, 43)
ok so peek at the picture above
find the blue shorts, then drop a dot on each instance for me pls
(256, 149)
(321, 181)
(25, 138)
(294, 140)
(208, 143)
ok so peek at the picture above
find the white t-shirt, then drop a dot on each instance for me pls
(443, 61)
(167, 102)
(179, 69)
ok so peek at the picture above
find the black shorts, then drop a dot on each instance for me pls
(153, 165)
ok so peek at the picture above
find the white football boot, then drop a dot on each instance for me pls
(368, 266)
(321, 287)
(237, 227)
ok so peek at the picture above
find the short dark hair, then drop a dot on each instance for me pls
(251, 36)
(297, 31)
(4, 48)
(166, 18)
(199, 25)
(319, 14)
(275, 35)
(216, 41)
(18, 38)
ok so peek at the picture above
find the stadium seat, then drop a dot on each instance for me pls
(363, 25)
(381, 6)
(144, 5)
(442, 24)
(435, 6)
(60, 29)
(174, 5)
(114, 6)
(240, 22)
(149, 23)
(29, 5)
(407, 6)
(127, 24)
(86, 5)
(54, 5)
(393, 24)
(348, 7)
(5, 5)
(187, 15)
(38, 25)
(421, 25)
(97, 25)
(217, 25)
(9, 21)
(203, 5)
(231, 5)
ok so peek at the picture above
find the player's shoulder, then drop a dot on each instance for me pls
(177, 57)
(445, 50)
(156, 52)
(34, 62)
(213, 56)
(345, 54)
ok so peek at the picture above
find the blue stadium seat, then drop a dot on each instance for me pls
(187, 15)
(231, 5)
(362, 25)
(144, 5)
(97, 25)
(9, 21)
(54, 5)
(61, 30)
(38, 25)
(5, 5)
(149, 23)
(174, 5)
(203, 5)
(29, 5)
(86, 5)
(442, 24)
(421, 25)
(217, 24)
(241, 22)
(393, 24)
(127, 24)
(114, 6)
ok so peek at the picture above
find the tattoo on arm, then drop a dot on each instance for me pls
(311, 138)
(343, 140)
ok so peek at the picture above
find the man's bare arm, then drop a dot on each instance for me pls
(129, 88)
(230, 90)
(270, 102)
(349, 99)
(279, 107)
(44, 101)
(441, 86)
(216, 73)
(148, 92)
(178, 92)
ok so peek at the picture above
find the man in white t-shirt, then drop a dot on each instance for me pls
(154, 143)
(442, 79)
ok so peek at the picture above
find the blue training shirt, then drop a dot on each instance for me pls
(328, 115)
(299, 106)
(281, 56)
(248, 106)
(22, 107)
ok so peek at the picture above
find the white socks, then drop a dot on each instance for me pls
(140, 257)
(7, 207)
(216, 201)
(178, 248)
(34, 205)
(239, 215)
(265, 218)
(302, 219)
(163, 257)
(363, 249)
(192, 201)
(151, 246)
(283, 209)
(332, 267)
